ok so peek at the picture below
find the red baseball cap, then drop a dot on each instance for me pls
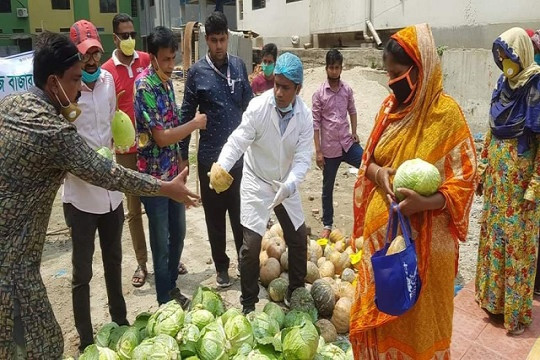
(85, 35)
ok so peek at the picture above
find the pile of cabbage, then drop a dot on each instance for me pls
(210, 332)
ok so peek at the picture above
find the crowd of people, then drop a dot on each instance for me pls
(257, 141)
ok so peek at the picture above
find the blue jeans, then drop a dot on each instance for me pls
(352, 157)
(167, 225)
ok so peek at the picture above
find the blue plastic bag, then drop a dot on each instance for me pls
(397, 281)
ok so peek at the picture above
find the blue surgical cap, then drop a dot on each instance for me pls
(290, 66)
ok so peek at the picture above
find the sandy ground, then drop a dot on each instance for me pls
(56, 265)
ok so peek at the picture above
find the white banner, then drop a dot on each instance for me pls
(16, 73)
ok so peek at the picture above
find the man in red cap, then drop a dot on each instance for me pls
(125, 65)
(88, 208)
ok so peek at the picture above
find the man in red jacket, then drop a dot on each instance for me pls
(125, 65)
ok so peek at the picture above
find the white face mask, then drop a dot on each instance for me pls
(71, 111)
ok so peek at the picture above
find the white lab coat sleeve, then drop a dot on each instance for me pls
(239, 140)
(304, 151)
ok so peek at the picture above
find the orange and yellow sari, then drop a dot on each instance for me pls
(434, 129)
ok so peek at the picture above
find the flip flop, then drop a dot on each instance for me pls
(139, 277)
(182, 270)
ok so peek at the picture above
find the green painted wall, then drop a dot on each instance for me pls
(81, 10)
(10, 21)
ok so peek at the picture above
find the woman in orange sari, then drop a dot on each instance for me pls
(417, 121)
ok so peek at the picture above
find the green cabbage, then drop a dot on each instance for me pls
(300, 342)
(115, 336)
(161, 347)
(330, 352)
(94, 352)
(232, 312)
(212, 344)
(105, 152)
(128, 342)
(238, 332)
(209, 299)
(187, 339)
(168, 319)
(199, 317)
(296, 318)
(263, 325)
(103, 336)
(417, 175)
(276, 312)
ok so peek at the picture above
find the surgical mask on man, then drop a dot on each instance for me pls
(162, 76)
(91, 77)
(71, 111)
(127, 46)
(285, 109)
(268, 69)
(402, 87)
(510, 68)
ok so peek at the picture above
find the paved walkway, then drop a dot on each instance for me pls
(476, 337)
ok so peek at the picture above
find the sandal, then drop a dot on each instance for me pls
(325, 234)
(520, 329)
(182, 269)
(139, 277)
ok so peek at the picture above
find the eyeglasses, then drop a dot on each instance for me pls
(73, 57)
(96, 56)
(126, 35)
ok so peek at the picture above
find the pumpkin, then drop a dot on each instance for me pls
(348, 240)
(277, 289)
(348, 275)
(328, 250)
(275, 250)
(334, 286)
(266, 241)
(315, 251)
(321, 261)
(343, 262)
(359, 243)
(349, 250)
(285, 261)
(324, 298)
(276, 230)
(327, 269)
(269, 271)
(302, 300)
(334, 258)
(345, 289)
(263, 256)
(327, 329)
(339, 246)
(341, 315)
(336, 236)
(312, 273)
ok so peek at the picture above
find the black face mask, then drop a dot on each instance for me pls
(334, 79)
(403, 88)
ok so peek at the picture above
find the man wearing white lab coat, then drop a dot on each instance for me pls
(275, 139)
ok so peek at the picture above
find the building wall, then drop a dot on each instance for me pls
(278, 21)
(9, 22)
(336, 16)
(42, 16)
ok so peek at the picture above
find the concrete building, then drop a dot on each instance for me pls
(457, 23)
(22, 20)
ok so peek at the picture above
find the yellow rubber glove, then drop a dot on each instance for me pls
(220, 180)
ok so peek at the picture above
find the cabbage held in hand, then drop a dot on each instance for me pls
(417, 175)
(123, 131)
(105, 152)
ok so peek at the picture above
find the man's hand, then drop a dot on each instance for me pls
(283, 191)
(177, 190)
(200, 120)
(320, 160)
(355, 138)
(184, 164)
(220, 179)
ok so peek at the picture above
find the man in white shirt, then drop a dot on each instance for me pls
(275, 139)
(88, 208)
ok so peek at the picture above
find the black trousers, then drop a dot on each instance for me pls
(215, 206)
(249, 257)
(83, 231)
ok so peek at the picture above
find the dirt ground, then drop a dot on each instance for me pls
(56, 264)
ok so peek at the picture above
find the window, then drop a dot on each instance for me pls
(64, 30)
(60, 4)
(152, 3)
(134, 9)
(241, 9)
(18, 31)
(38, 30)
(258, 4)
(5, 6)
(142, 4)
(289, 1)
(100, 29)
(107, 6)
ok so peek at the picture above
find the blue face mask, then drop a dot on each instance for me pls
(537, 58)
(90, 78)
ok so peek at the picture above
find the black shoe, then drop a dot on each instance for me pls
(180, 298)
(287, 299)
(248, 309)
(222, 279)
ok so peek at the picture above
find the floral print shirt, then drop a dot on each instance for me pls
(155, 108)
